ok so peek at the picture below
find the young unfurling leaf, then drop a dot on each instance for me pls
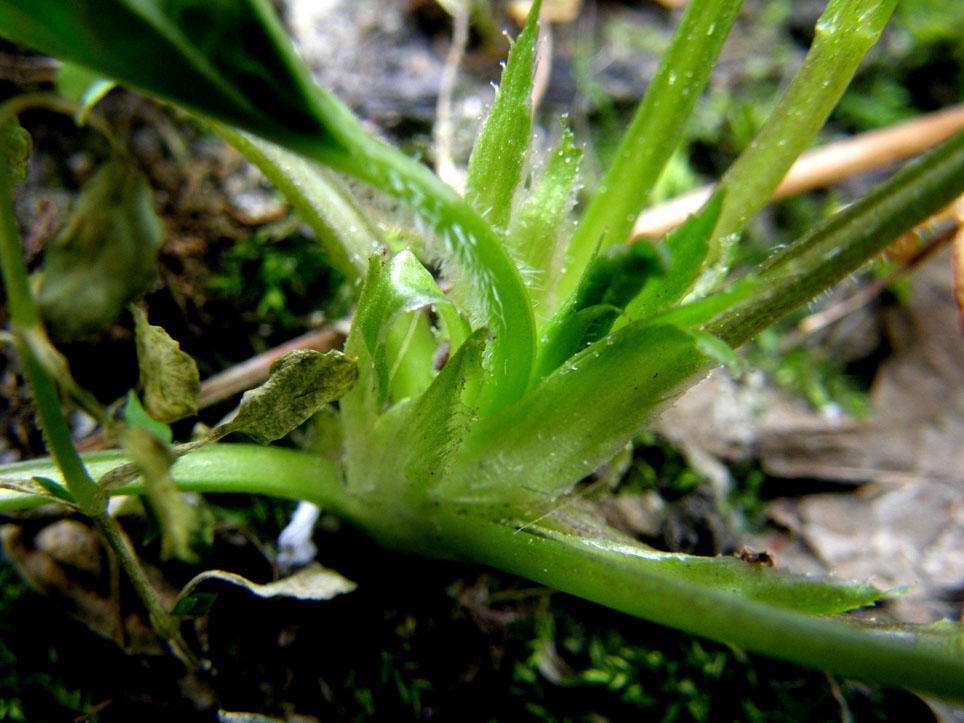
(537, 232)
(499, 154)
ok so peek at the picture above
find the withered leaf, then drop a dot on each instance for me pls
(169, 377)
(301, 383)
(104, 257)
(313, 582)
(186, 529)
(16, 145)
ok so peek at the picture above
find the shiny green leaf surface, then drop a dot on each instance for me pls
(575, 420)
(538, 233)
(686, 248)
(392, 286)
(227, 59)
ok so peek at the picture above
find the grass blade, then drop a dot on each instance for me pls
(655, 132)
(844, 33)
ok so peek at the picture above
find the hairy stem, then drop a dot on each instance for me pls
(845, 241)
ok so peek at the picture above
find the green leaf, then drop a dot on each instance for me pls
(697, 313)
(495, 166)
(393, 286)
(537, 233)
(301, 383)
(728, 574)
(842, 243)
(168, 376)
(655, 132)
(105, 256)
(718, 350)
(409, 349)
(228, 59)
(55, 489)
(845, 31)
(410, 449)
(749, 607)
(186, 529)
(613, 278)
(42, 489)
(195, 605)
(575, 420)
(439, 418)
(570, 334)
(17, 145)
(136, 416)
(686, 247)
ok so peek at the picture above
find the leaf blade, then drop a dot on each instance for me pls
(495, 165)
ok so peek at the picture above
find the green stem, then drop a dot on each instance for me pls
(905, 660)
(50, 418)
(163, 623)
(321, 202)
(844, 33)
(655, 132)
(26, 325)
(228, 468)
(844, 242)
(577, 566)
(30, 340)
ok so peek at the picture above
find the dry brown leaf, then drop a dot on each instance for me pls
(65, 562)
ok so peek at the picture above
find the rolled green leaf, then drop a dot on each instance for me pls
(393, 286)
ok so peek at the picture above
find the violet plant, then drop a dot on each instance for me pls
(563, 345)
